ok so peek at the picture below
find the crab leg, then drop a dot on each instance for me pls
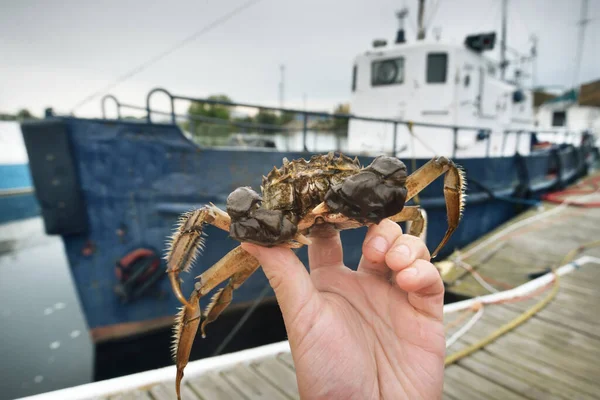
(417, 219)
(237, 264)
(184, 332)
(454, 190)
(243, 265)
(188, 239)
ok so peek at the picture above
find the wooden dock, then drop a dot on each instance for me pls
(552, 355)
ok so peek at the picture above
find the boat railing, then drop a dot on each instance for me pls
(338, 123)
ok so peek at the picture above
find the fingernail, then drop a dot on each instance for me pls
(410, 272)
(379, 244)
(403, 250)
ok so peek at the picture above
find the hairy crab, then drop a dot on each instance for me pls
(332, 189)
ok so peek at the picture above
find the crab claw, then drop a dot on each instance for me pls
(186, 325)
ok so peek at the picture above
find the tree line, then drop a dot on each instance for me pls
(209, 119)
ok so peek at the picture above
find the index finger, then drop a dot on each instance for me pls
(326, 248)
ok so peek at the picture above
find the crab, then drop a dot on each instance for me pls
(327, 189)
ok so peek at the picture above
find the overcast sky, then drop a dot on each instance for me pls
(57, 52)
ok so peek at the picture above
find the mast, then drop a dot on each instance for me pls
(503, 61)
(420, 15)
(533, 55)
(281, 85)
(583, 21)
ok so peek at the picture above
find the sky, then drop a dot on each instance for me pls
(55, 53)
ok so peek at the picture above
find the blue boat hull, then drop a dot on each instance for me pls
(135, 179)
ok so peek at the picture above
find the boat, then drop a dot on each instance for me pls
(17, 200)
(113, 188)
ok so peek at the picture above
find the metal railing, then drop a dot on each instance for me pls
(306, 115)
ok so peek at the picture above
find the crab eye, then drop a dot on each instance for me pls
(241, 201)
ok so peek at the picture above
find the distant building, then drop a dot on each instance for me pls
(577, 109)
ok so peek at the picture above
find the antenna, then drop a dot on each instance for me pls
(503, 61)
(401, 15)
(421, 29)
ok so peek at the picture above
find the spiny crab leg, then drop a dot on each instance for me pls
(454, 193)
(237, 265)
(188, 238)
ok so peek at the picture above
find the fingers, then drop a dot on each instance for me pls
(326, 248)
(413, 273)
(378, 241)
(287, 275)
(405, 250)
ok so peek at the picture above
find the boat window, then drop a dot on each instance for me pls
(354, 78)
(559, 118)
(387, 72)
(437, 66)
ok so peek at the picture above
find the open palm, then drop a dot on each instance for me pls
(372, 333)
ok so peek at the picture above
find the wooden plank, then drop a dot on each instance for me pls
(477, 385)
(132, 395)
(446, 396)
(287, 359)
(456, 389)
(541, 330)
(537, 350)
(575, 288)
(557, 315)
(280, 376)
(569, 306)
(526, 353)
(247, 381)
(212, 386)
(514, 376)
(521, 360)
(166, 391)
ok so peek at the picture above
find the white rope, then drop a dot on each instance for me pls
(477, 277)
(466, 327)
(522, 290)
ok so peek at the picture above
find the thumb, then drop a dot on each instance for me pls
(287, 275)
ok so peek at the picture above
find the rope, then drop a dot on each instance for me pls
(466, 327)
(242, 320)
(505, 328)
(409, 124)
(569, 257)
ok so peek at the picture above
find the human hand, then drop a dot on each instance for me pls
(368, 334)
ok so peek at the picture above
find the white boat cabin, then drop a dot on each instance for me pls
(571, 114)
(436, 83)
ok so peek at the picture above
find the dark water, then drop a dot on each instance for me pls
(152, 350)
